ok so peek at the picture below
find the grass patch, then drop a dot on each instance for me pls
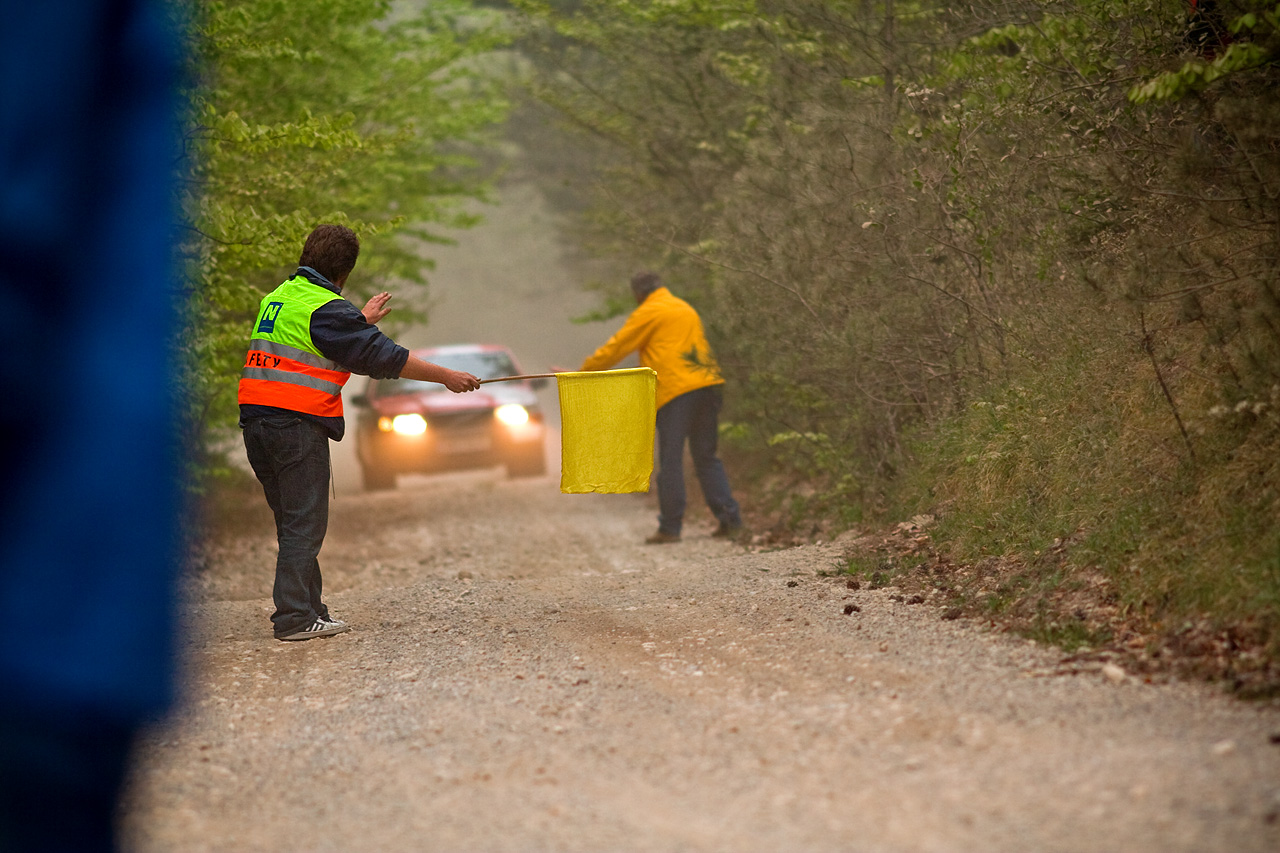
(1104, 523)
(1066, 634)
(876, 571)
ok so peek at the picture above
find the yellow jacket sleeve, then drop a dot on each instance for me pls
(668, 333)
(631, 337)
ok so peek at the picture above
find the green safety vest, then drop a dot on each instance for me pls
(283, 368)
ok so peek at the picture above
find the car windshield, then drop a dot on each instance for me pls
(486, 365)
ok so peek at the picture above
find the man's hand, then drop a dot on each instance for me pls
(376, 308)
(458, 381)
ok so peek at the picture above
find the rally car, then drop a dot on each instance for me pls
(410, 426)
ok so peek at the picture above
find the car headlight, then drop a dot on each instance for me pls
(512, 414)
(404, 424)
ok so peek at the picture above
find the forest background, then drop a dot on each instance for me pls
(1008, 269)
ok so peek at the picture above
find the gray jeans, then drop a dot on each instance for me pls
(695, 417)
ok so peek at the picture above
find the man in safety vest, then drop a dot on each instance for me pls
(306, 341)
(668, 333)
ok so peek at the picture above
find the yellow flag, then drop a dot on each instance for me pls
(607, 421)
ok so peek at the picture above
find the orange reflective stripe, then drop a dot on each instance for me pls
(337, 377)
(285, 395)
(259, 362)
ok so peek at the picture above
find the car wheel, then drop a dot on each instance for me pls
(531, 462)
(377, 479)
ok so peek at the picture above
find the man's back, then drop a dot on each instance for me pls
(669, 336)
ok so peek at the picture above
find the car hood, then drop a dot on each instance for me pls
(438, 402)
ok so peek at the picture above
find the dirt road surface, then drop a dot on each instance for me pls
(524, 674)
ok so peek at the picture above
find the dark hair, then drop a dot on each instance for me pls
(644, 283)
(331, 250)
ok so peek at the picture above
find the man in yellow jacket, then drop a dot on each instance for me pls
(668, 333)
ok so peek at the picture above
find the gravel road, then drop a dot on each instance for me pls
(524, 674)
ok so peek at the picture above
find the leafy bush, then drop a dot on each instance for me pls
(1006, 256)
(328, 111)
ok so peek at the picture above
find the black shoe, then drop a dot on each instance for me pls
(661, 538)
(318, 628)
(728, 531)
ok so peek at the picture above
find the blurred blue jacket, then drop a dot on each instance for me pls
(88, 496)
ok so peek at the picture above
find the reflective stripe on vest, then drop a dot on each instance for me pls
(285, 375)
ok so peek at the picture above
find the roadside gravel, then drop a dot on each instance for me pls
(523, 674)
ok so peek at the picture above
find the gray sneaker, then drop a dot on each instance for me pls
(318, 628)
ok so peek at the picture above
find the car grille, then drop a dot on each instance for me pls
(462, 432)
(465, 421)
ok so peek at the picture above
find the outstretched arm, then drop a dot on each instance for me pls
(624, 342)
(456, 381)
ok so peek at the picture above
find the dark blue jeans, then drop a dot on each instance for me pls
(290, 455)
(693, 416)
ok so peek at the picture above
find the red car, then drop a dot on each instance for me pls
(409, 426)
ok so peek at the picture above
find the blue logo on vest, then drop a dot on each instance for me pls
(267, 324)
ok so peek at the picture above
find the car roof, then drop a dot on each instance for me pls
(458, 349)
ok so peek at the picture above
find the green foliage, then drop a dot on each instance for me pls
(347, 111)
(1197, 75)
(998, 260)
(615, 305)
(1256, 25)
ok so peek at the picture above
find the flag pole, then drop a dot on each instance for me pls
(523, 376)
